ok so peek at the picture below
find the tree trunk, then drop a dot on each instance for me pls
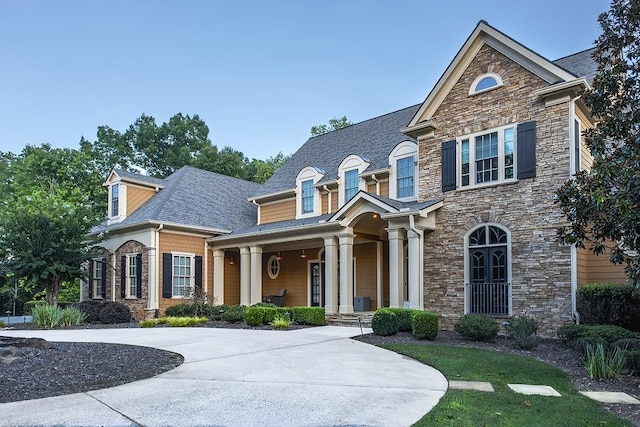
(53, 290)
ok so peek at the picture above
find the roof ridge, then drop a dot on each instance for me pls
(195, 169)
(574, 54)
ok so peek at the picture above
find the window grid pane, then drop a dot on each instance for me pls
(115, 189)
(97, 278)
(508, 153)
(465, 162)
(181, 275)
(487, 158)
(132, 275)
(405, 177)
(350, 184)
(307, 196)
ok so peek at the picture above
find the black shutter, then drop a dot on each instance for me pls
(139, 275)
(167, 276)
(526, 150)
(104, 277)
(91, 278)
(123, 277)
(448, 165)
(198, 278)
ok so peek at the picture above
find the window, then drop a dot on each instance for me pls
(273, 267)
(132, 276)
(487, 270)
(182, 267)
(115, 199)
(485, 83)
(402, 178)
(351, 185)
(97, 278)
(405, 177)
(487, 157)
(577, 136)
(307, 196)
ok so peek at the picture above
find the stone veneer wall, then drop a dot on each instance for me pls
(138, 305)
(84, 289)
(541, 270)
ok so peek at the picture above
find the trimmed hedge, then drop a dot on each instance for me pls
(384, 322)
(578, 336)
(309, 316)
(609, 304)
(404, 316)
(425, 324)
(478, 327)
(115, 312)
(254, 316)
(233, 313)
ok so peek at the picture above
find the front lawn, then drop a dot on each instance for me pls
(504, 407)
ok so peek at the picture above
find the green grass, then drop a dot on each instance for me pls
(504, 407)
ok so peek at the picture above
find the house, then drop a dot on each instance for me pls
(447, 206)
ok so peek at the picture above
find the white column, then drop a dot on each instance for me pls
(256, 274)
(205, 279)
(218, 277)
(152, 283)
(346, 274)
(414, 267)
(396, 266)
(379, 274)
(245, 276)
(330, 275)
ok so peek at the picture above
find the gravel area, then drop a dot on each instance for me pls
(550, 351)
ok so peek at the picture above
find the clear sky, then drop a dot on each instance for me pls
(259, 73)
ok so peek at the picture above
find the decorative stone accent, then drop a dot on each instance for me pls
(137, 305)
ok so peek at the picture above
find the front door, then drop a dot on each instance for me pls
(317, 283)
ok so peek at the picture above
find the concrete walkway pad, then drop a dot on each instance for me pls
(611, 397)
(471, 385)
(542, 390)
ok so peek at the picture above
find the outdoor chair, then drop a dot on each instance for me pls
(277, 299)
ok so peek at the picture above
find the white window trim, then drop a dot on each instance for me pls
(96, 278)
(403, 150)
(306, 174)
(192, 278)
(467, 272)
(122, 203)
(131, 258)
(576, 139)
(472, 158)
(496, 77)
(350, 163)
(273, 259)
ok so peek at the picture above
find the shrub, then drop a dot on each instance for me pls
(281, 321)
(604, 364)
(1, 324)
(28, 306)
(309, 316)
(215, 311)
(609, 304)
(264, 304)
(46, 316)
(632, 363)
(523, 331)
(233, 313)
(115, 312)
(271, 313)
(177, 322)
(179, 310)
(91, 309)
(404, 316)
(72, 316)
(578, 336)
(424, 324)
(384, 322)
(478, 327)
(254, 316)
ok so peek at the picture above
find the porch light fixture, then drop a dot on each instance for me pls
(231, 261)
(278, 257)
(303, 255)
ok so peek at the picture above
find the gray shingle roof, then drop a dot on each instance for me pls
(372, 139)
(580, 64)
(194, 197)
(138, 177)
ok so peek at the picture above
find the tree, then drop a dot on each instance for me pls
(43, 238)
(334, 124)
(261, 170)
(602, 205)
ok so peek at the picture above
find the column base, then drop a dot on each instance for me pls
(346, 309)
(331, 309)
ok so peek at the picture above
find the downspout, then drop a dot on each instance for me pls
(377, 181)
(324, 187)
(258, 206)
(574, 250)
(412, 226)
(155, 304)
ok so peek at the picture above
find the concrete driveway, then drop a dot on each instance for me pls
(236, 377)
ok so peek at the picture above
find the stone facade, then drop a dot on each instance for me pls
(137, 305)
(540, 266)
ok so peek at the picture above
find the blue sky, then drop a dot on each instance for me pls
(259, 73)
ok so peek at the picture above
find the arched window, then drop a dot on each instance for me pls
(273, 266)
(488, 270)
(349, 175)
(307, 197)
(403, 182)
(485, 82)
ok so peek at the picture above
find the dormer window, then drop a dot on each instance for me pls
(403, 182)
(115, 200)
(485, 83)
(349, 180)
(350, 184)
(307, 195)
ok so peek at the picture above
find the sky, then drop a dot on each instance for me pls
(259, 73)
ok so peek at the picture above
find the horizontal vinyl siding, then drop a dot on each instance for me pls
(583, 274)
(601, 270)
(231, 283)
(136, 197)
(324, 203)
(292, 277)
(384, 188)
(366, 272)
(278, 211)
(334, 201)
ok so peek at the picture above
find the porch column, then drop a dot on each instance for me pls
(218, 277)
(256, 274)
(396, 266)
(245, 276)
(330, 275)
(379, 275)
(346, 274)
(152, 285)
(415, 267)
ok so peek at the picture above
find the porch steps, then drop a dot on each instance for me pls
(351, 319)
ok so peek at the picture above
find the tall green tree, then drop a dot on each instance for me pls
(334, 124)
(602, 205)
(43, 239)
(261, 170)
